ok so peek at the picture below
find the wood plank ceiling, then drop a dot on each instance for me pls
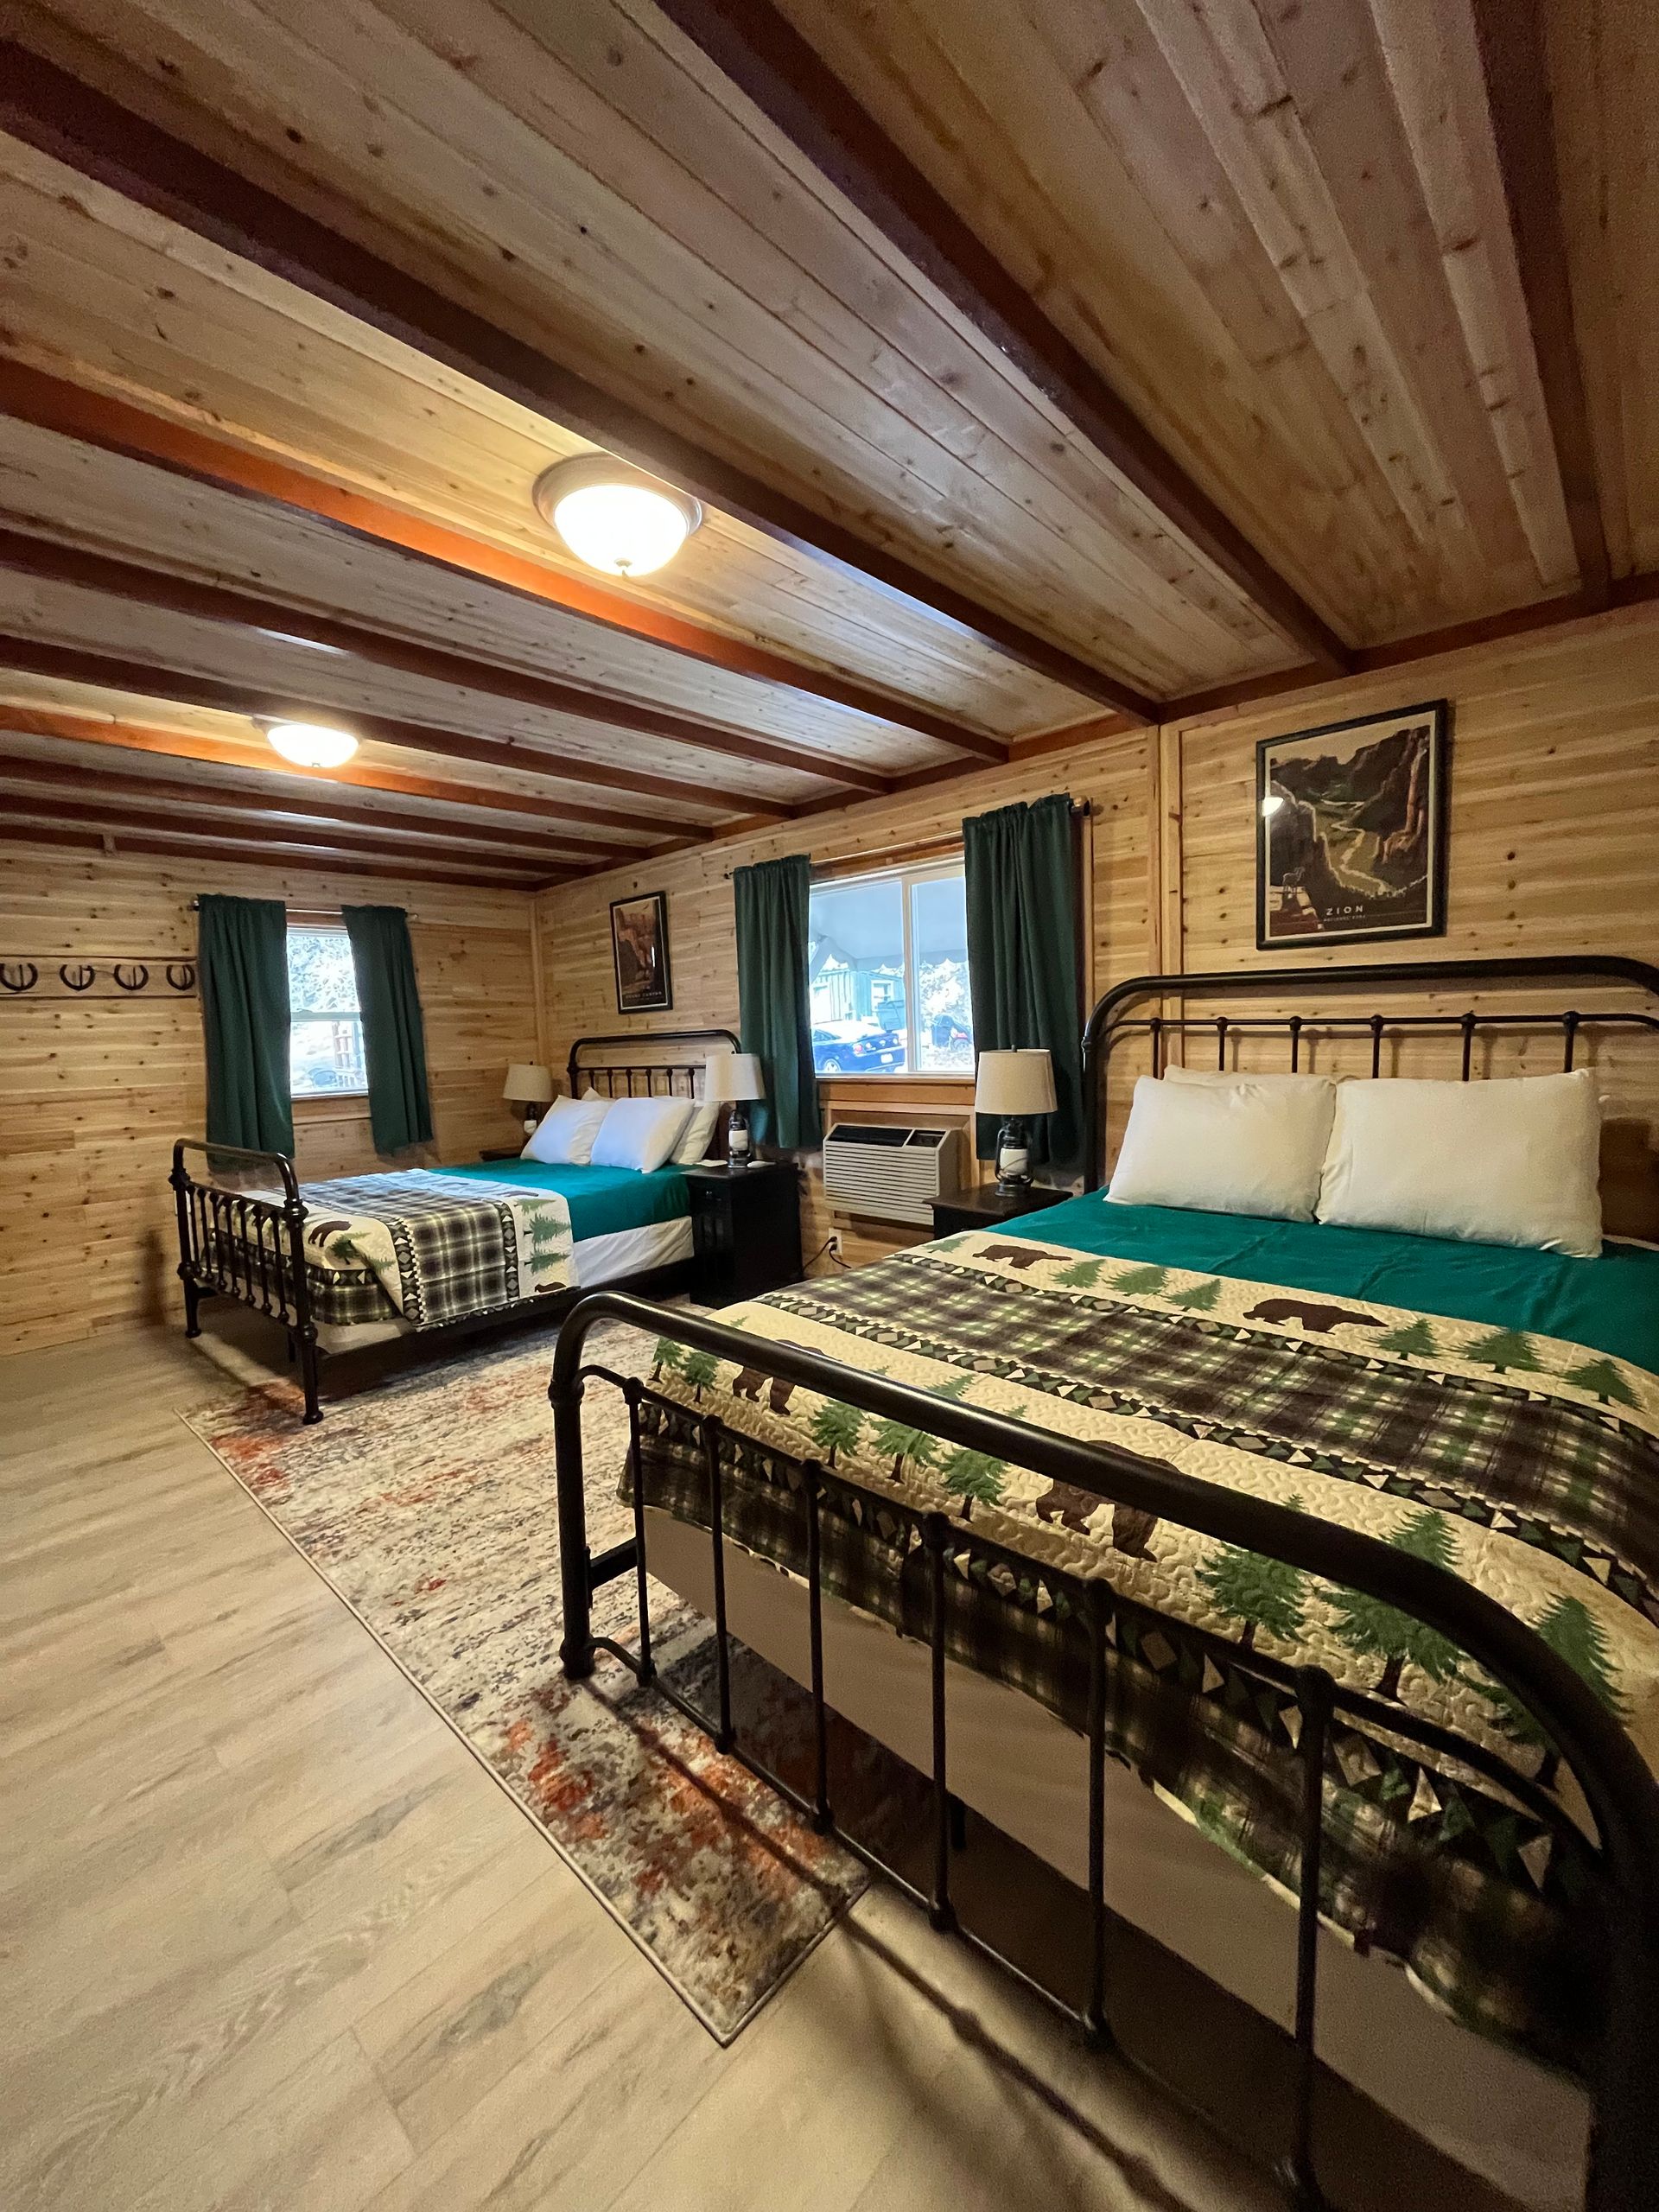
(1060, 364)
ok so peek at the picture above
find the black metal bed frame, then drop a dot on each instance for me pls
(1622, 1794)
(250, 1245)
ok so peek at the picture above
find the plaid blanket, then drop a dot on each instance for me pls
(434, 1251)
(1529, 1466)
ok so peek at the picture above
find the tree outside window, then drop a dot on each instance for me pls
(325, 1038)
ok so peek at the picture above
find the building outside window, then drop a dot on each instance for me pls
(324, 1040)
(888, 965)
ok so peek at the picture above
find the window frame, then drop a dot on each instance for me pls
(905, 873)
(311, 1100)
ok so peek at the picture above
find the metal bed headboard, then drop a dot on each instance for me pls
(606, 1074)
(1113, 1021)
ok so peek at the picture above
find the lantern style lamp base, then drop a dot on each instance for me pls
(1013, 1158)
(739, 1151)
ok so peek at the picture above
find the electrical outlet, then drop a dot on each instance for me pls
(833, 1247)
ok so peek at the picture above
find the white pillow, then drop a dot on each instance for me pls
(641, 1133)
(1212, 1076)
(564, 1135)
(698, 1130)
(1225, 1147)
(1510, 1161)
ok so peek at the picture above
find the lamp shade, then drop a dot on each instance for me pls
(733, 1077)
(1015, 1083)
(527, 1085)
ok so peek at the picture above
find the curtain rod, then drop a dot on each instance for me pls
(1081, 808)
(316, 914)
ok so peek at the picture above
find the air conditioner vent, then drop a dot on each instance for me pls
(889, 1174)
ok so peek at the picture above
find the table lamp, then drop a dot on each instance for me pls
(526, 1088)
(734, 1079)
(1015, 1085)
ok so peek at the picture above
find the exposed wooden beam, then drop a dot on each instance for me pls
(98, 418)
(88, 729)
(262, 855)
(801, 97)
(1514, 66)
(1404, 653)
(164, 820)
(46, 560)
(152, 680)
(54, 112)
(20, 773)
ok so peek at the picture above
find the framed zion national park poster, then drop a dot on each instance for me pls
(1351, 830)
(639, 950)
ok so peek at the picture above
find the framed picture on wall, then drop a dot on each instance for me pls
(640, 949)
(1351, 830)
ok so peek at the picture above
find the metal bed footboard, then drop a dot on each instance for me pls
(241, 1244)
(1621, 1793)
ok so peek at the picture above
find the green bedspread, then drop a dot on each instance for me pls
(601, 1199)
(1611, 1304)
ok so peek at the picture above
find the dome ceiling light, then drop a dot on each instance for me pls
(614, 516)
(311, 744)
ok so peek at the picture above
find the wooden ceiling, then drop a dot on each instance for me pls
(1042, 364)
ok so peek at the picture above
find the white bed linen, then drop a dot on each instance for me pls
(1012, 1761)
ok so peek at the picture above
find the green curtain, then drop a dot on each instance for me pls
(1020, 867)
(775, 1017)
(394, 1044)
(242, 963)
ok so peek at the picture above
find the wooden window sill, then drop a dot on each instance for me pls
(344, 1106)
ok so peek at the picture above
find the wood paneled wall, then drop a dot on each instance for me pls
(1554, 847)
(92, 1094)
(1114, 776)
(1555, 838)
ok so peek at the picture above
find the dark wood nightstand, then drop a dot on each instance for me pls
(746, 1229)
(984, 1206)
(501, 1151)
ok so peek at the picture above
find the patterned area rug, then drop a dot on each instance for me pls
(427, 1505)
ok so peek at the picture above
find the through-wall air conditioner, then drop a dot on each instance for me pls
(889, 1174)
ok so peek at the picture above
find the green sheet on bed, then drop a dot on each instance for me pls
(1611, 1304)
(601, 1199)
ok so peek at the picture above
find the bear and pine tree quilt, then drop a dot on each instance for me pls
(418, 1246)
(1528, 1467)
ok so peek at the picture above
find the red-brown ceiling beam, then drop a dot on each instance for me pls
(152, 680)
(172, 821)
(54, 112)
(97, 418)
(22, 775)
(45, 560)
(1516, 68)
(781, 72)
(263, 855)
(88, 729)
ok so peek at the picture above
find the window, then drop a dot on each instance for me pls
(888, 965)
(325, 1039)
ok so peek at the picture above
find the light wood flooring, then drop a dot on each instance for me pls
(271, 1937)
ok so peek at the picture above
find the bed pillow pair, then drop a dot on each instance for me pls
(643, 1134)
(1512, 1161)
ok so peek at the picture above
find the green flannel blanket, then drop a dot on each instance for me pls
(422, 1246)
(1527, 1466)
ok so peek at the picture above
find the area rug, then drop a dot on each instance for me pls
(428, 1504)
